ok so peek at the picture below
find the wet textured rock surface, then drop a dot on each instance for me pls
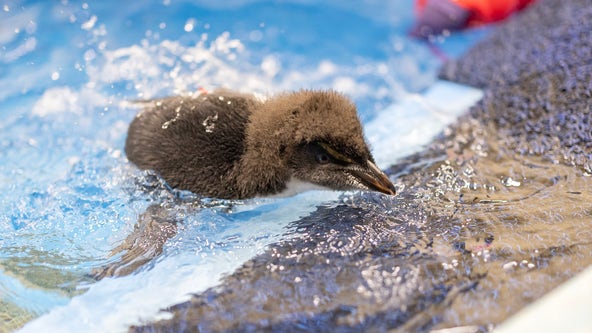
(493, 215)
(537, 72)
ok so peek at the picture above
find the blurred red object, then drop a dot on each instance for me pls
(436, 16)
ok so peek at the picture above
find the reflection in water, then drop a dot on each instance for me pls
(525, 239)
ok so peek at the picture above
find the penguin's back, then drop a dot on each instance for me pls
(192, 142)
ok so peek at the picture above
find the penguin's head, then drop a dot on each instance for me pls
(320, 141)
(336, 166)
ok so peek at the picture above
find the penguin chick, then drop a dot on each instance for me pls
(234, 146)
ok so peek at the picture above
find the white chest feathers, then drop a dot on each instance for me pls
(296, 186)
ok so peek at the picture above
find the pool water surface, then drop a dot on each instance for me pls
(68, 195)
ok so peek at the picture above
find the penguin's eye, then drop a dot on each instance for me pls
(323, 158)
(325, 154)
(335, 155)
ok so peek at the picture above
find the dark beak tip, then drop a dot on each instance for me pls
(392, 191)
(371, 178)
(388, 189)
(380, 181)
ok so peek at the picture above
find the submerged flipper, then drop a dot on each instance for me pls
(155, 226)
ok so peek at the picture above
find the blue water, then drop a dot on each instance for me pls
(68, 195)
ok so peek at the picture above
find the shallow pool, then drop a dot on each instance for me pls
(68, 195)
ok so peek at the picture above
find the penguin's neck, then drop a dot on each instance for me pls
(263, 172)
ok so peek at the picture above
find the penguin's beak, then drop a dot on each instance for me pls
(376, 180)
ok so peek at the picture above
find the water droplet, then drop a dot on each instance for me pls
(89, 55)
(316, 300)
(509, 265)
(510, 182)
(88, 25)
(255, 35)
(210, 123)
(190, 24)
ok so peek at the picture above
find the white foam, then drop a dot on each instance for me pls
(65, 99)
(22, 21)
